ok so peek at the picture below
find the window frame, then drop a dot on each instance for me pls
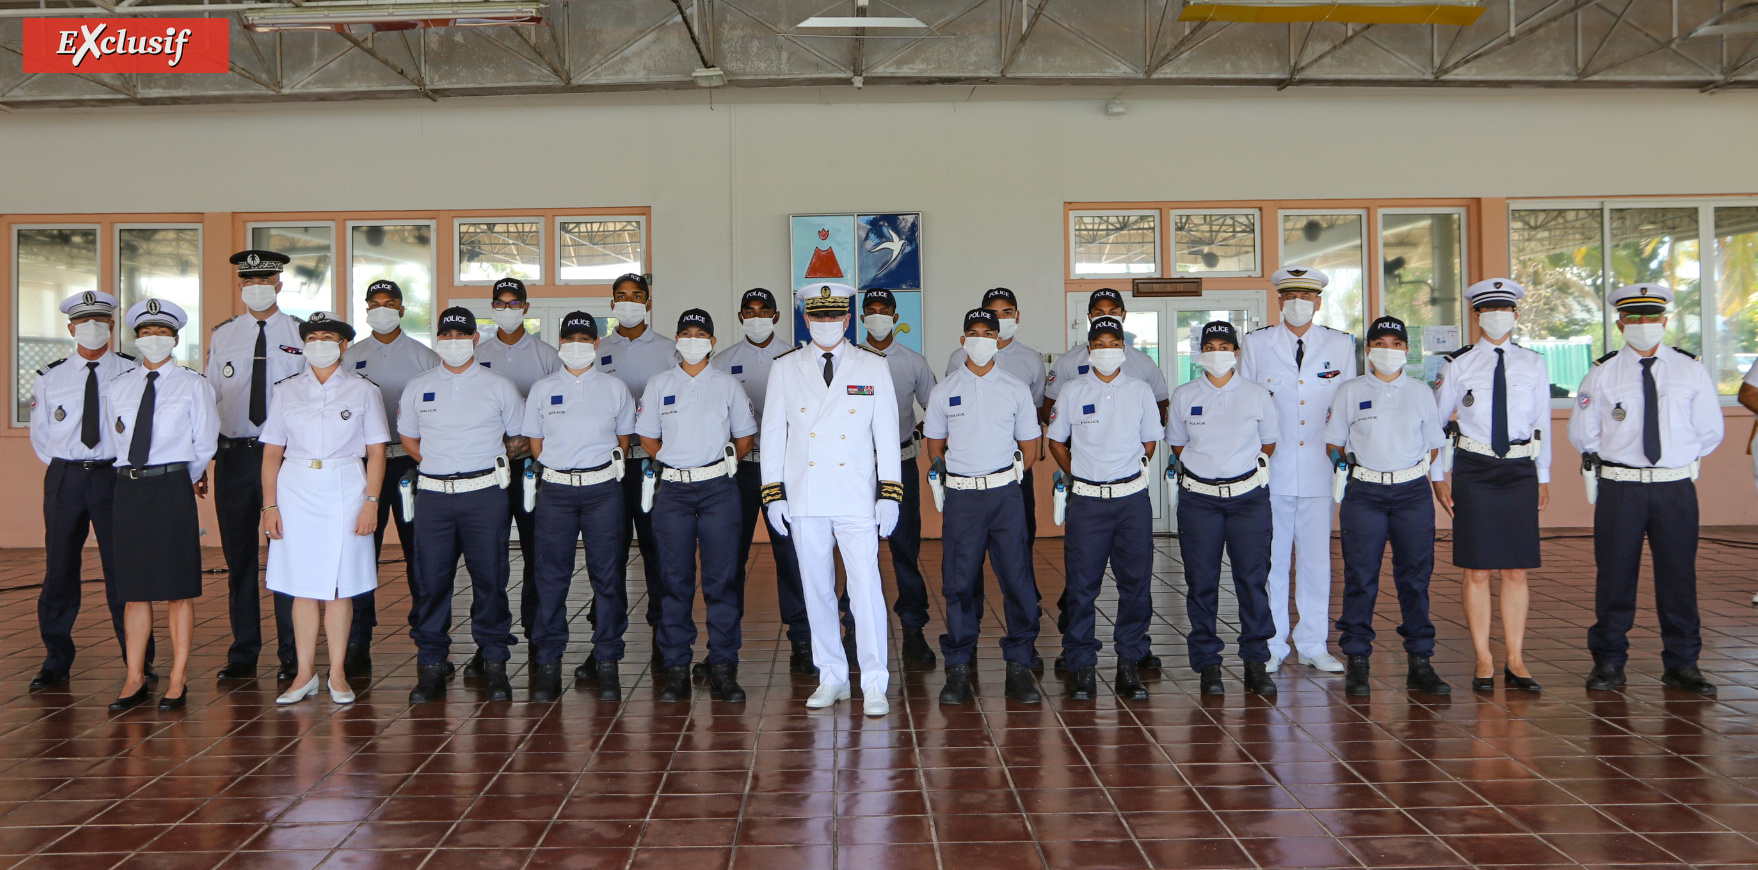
(1372, 284)
(1161, 228)
(336, 271)
(1171, 234)
(555, 257)
(196, 319)
(433, 252)
(1465, 277)
(12, 251)
(543, 247)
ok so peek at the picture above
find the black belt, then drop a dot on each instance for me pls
(133, 473)
(1113, 482)
(463, 475)
(1223, 481)
(996, 471)
(600, 467)
(87, 464)
(249, 441)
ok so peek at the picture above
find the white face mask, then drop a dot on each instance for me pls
(1298, 312)
(1496, 324)
(322, 354)
(758, 329)
(1217, 362)
(980, 349)
(578, 354)
(629, 314)
(1644, 336)
(92, 334)
(154, 348)
(455, 351)
(694, 350)
(825, 333)
(1106, 359)
(508, 319)
(258, 297)
(383, 320)
(1009, 326)
(879, 326)
(1389, 360)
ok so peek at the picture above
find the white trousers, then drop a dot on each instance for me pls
(1301, 531)
(815, 541)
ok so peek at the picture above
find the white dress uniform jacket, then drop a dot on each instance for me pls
(523, 362)
(186, 427)
(1303, 399)
(1471, 371)
(1017, 359)
(1691, 425)
(1388, 426)
(912, 380)
(58, 407)
(831, 447)
(232, 349)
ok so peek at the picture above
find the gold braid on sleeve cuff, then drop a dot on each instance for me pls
(891, 490)
(773, 492)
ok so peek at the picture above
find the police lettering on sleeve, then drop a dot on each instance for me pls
(462, 419)
(693, 417)
(1221, 430)
(578, 419)
(981, 418)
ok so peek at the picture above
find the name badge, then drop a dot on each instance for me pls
(859, 390)
(287, 348)
(955, 400)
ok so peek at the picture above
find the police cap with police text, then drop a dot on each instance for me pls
(1220, 330)
(1105, 293)
(456, 318)
(1388, 326)
(324, 321)
(385, 286)
(983, 316)
(579, 323)
(156, 312)
(1103, 324)
(995, 293)
(698, 318)
(881, 296)
(259, 264)
(510, 285)
(762, 297)
(89, 303)
(636, 278)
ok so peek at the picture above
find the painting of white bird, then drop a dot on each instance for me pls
(893, 244)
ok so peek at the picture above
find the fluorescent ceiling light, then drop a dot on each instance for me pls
(394, 16)
(1455, 12)
(829, 21)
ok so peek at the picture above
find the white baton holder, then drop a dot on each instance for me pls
(1339, 482)
(616, 456)
(1172, 491)
(649, 482)
(1696, 466)
(503, 471)
(530, 487)
(1447, 455)
(406, 491)
(1590, 478)
(938, 488)
(1059, 500)
(731, 460)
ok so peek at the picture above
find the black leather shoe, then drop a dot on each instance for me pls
(1688, 679)
(916, 650)
(723, 683)
(357, 664)
(1085, 684)
(168, 703)
(1211, 681)
(587, 671)
(494, 681)
(47, 679)
(1355, 674)
(132, 701)
(1257, 680)
(1524, 684)
(238, 671)
(450, 669)
(287, 671)
(800, 662)
(430, 683)
(1061, 664)
(700, 671)
(1022, 686)
(1148, 663)
(473, 667)
(610, 684)
(1605, 678)
(546, 682)
(958, 685)
(677, 685)
(1422, 678)
(1128, 683)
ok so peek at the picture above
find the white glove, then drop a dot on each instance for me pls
(885, 511)
(779, 517)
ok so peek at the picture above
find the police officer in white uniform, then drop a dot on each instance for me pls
(981, 430)
(1497, 395)
(829, 424)
(68, 412)
(1102, 434)
(695, 423)
(522, 358)
(748, 361)
(912, 380)
(390, 358)
(580, 422)
(634, 352)
(247, 355)
(1303, 364)
(458, 421)
(1223, 428)
(1645, 417)
(1385, 427)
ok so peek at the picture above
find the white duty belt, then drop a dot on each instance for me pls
(696, 475)
(1405, 475)
(982, 481)
(591, 477)
(910, 448)
(1647, 475)
(754, 456)
(1109, 490)
(1515, 451)
(1260, 477)
(457, 485)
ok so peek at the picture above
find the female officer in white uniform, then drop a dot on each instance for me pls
(321, 505)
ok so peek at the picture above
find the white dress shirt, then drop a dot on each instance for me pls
(913, 380)
(523, 362)
(1303, 397)
(334, 419)
(578, 418)
(1105, 425)
(461, 419)
(1690, 411)
(1221, 430)
(1466, 393)
(693, 417)
(982, 419)
(186, 427)
(390, 364)
(232, 350)
(58, 406)
(1388, 426)
(1017, 359)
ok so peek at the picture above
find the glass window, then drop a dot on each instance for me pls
(491, 250)
(1736, 287)
(1221, 243)
(402, 253)
(1558, 256)
(598, 251)
(51, 264)
(307, 282)
(162, 263)
(1660, 246)
(1126, 243)
(1424, 268)
(1333, 244)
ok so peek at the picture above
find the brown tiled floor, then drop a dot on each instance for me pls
(1643, 777)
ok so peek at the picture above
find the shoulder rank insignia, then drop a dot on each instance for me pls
(1602, 359)
(224, 322)
(1674, 347)
(1459, 352)
(870, 350)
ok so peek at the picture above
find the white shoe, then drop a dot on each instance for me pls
(1273, 665)
(345, 697)
(874, 704)
(294, 696)
(827, 695)
(1324, 661)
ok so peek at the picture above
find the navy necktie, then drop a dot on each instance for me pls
(1299, 353)
(88, 418)
(259, 376)
(1650, 413)
(142, 444)
(1498, 407)
(829, 372)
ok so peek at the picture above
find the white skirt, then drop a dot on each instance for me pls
(319, 556)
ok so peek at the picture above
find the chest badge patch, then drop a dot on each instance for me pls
(1365, 405)
(859, 390)
(671, 400)
(604, 361)
(227, 371)
(1082, 370)
(1330, 373)
(1195, 410)
(955, 400)
(346, 414)
(1618, 412)
(1469, 399)
(287, 348)
(555, 400)
(360, 365)
(738, 370)
(1089, 409)
(119, 427)
(60, 413)
(426, 397)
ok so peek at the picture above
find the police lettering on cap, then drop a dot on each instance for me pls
(1388, 325)
(259, 264)
(636, 278)
(1104, 293)
(981, 315)
(324, 321)
(1642, 298)
(696, 317)
(578, 323)
(826, 298)
(386, 287)
(1104, 324)
(1003, 293)
(90, 303)
(510, 285)
(1220, 330)
(1300, 278)
(156, 312)
(759, 295)
(883, 297)
(457, 317)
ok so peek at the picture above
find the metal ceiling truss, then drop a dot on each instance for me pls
(623, 45)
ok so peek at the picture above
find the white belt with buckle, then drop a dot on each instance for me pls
(581, 478)
(982, 481)
(753, 456)
(909, 449)
(393, 451)
(1405, 475)
(1110, 490)
(1515, 451)
(1226, 490)
(693, 475)
(468, 484)
(319, 463)
(1644, 475)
